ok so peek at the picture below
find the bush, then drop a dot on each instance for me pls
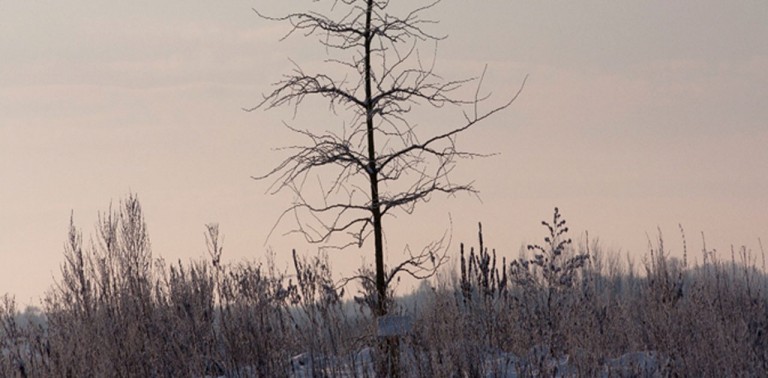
(558, 309)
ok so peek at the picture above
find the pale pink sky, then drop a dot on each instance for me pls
(637, 115)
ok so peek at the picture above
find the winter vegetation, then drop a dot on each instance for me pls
(556, 309)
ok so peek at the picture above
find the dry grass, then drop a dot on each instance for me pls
(558, 309)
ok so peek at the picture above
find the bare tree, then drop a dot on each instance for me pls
(375, 159)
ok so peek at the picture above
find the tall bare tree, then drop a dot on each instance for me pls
(375, 159)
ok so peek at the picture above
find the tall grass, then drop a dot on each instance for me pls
(556, 309)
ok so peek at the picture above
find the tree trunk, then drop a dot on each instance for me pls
(373, 171)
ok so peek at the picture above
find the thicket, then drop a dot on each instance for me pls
(557, 309)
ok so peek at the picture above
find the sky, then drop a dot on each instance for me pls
(636, 117)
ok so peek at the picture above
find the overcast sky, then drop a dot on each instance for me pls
(636, 115)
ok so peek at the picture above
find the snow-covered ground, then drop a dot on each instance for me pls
(497, 365)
